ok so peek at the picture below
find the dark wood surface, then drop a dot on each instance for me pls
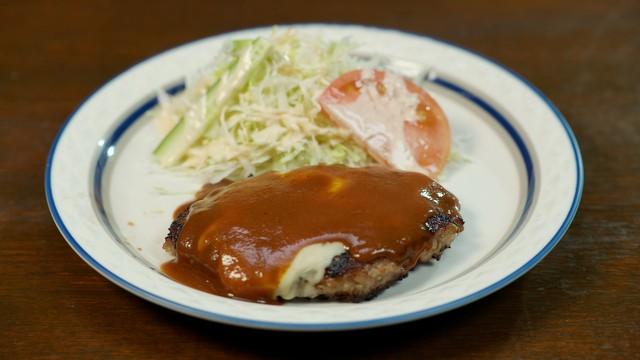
(581, 301)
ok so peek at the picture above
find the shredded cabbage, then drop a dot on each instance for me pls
(275, 122)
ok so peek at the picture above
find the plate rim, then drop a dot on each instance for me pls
(232, 320)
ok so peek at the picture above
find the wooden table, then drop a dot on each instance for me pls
(582, 301)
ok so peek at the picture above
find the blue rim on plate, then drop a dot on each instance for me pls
(354, 324)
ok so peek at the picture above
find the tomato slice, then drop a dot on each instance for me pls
(397, 122)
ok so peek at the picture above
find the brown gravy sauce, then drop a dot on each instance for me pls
(239, 238)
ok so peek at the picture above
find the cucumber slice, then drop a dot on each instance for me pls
(248, 56)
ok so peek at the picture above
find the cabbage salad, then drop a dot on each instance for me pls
(255, 110)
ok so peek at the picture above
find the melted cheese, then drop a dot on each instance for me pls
(307, 269)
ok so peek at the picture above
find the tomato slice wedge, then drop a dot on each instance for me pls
(397, 122)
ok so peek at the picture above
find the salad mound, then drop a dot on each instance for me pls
(256, 110)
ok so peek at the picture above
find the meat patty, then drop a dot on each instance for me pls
(328, 232)
(346, 279)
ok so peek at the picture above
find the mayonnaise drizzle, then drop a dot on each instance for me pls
(378, 115)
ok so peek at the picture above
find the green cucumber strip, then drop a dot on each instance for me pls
(250, 54)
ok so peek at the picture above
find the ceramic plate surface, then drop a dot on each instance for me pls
(519, 190)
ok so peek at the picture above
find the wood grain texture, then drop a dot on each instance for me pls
(581, 302)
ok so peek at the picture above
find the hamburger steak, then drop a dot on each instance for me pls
(328, 232)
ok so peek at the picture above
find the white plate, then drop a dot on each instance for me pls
(519, 193)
